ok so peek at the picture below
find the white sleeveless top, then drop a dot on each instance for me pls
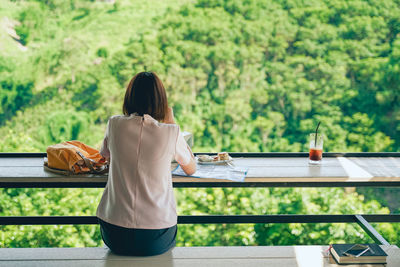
(139, 191)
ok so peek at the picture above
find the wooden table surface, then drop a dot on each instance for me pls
(271, 171)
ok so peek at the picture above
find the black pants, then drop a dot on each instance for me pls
(137, 242)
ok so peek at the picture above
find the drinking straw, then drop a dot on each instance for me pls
(316, 133)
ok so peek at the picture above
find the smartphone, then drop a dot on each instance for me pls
(356, 250)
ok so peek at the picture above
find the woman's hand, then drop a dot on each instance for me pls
(169, 116)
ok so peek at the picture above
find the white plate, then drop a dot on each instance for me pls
(214, 162)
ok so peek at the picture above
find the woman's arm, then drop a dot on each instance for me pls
(104, 151)
(190, 167)
(169, 117)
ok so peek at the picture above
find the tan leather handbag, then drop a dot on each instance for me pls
(74, 157)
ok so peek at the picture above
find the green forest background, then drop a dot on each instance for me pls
(242, 76)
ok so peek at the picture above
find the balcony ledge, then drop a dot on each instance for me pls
(283, 256)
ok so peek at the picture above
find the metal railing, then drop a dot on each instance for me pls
(363, 220)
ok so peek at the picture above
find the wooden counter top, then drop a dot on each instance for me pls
(263, 172)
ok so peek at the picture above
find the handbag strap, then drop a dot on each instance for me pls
(89, 164)
(57, 171)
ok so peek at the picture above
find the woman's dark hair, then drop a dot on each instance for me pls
(146, 95)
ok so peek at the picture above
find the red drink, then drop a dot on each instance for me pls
(315, 154)
(316, 145)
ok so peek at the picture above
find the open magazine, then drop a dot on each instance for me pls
(226, 172)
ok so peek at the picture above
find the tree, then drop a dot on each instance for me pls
(242, 75)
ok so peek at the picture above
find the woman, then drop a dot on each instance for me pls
(137, 212)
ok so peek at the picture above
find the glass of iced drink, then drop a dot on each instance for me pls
(316, 145)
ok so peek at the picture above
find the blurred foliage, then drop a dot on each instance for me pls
(276, 201)
(83, 202)
(242, 75)
(49, 202)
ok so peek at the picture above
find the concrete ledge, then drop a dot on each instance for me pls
(281, 256)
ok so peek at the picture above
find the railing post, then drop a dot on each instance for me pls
(370, 230)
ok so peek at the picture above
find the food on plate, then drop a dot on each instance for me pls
(205, 158)
(223, 156)
(220, 157)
